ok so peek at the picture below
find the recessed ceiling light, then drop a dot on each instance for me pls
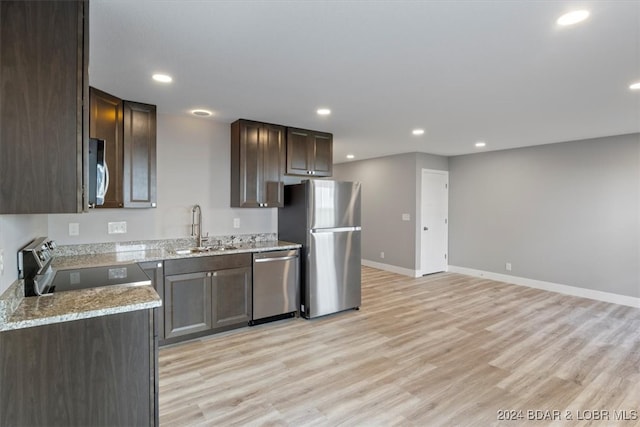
(323, 111)
(418, 131)
(573, 17)
(162, 78)
(635, 86)
(481, 144)
(202, 113)
(350, 156)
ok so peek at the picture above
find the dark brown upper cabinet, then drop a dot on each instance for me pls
(257, 164)
(309, 153)
(43, 125)
(129, 131)
(139, 181)
(106, 122)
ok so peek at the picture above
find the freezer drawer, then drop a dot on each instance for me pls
(275, 283)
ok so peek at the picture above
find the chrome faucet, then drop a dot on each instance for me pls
(196, 225)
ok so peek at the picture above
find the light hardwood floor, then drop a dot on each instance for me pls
(445, 349)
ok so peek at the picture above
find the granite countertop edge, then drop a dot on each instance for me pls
(160, 254)
(81, 304)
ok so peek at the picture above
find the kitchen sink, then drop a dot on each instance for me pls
(223, 248)
(194, 250)
(203, 249)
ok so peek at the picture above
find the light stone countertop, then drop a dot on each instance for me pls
(81, 304)
(159, 254)
(19, 312)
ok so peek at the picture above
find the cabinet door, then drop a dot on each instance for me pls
(246, 164)
(273, 157)
(309, 152)
(322, 155)
(257, 164)
(298, 152)
(187, 299)
(231, 297)
(44, 63)
(105, 122)
(99, 371)
(139, 179)
(155, 271)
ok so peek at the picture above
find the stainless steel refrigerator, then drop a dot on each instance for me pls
(324, 216)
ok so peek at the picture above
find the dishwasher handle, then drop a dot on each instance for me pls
(279, 258)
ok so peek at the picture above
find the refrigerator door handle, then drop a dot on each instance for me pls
(335, 230)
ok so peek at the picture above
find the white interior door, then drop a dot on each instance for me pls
(434, 230)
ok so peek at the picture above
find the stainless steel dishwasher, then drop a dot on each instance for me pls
(275, 285)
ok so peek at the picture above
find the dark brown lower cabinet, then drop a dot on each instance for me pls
(232, 302)
(187, 298)
(155, 271)
(205, 295)
(89, 372)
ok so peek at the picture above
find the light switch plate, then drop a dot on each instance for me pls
(406, 217)
(117, 227)
(1, 262)
(74, 229)
(236, 222)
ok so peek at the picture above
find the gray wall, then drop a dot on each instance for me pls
(566, 213)
(390, 187)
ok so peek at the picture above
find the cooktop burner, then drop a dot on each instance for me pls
(94, 277)
(34, 264)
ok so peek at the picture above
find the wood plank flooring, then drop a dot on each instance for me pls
(444, 349)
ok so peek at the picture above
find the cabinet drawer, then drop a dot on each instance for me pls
(206, 263)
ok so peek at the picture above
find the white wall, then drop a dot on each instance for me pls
(15, 232)
(193, 159)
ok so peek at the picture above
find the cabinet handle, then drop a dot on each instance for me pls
(280, 258)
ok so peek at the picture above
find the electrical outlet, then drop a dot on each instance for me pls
(117, 227)
(1, 262)
(236, 222)
(406, 217)
(507, 266)
(74, 229)
(382, 255)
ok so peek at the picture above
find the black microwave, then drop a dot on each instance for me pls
(98, 172)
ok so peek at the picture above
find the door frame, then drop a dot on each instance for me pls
(420, 225)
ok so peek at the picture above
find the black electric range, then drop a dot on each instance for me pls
(34, 264)
(92, 277)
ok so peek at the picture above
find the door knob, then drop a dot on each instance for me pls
(426, 228)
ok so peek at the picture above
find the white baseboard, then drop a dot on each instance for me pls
(549, 286)
(391, 268)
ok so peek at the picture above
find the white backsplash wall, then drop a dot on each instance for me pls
(193, 167)
(15, 232)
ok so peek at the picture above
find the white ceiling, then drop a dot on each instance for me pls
(498, 71)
